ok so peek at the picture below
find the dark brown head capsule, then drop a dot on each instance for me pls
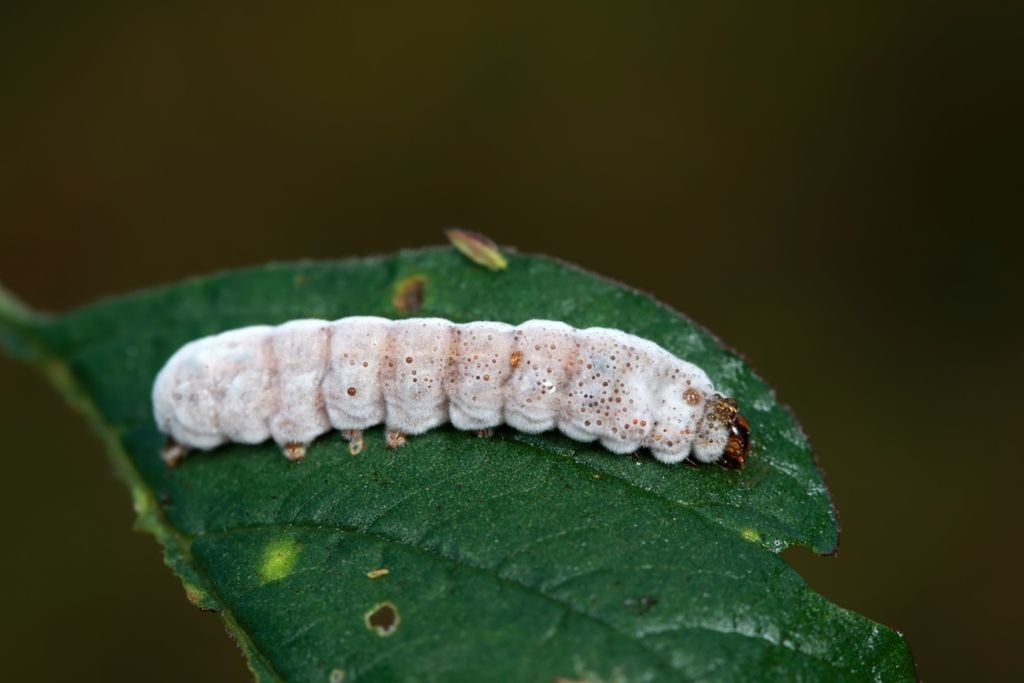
(738, 443)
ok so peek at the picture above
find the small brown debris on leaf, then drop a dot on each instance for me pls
(477, 248)
(408, 296)
(640, 605)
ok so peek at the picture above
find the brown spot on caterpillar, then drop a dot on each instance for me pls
(351, 391)
(514, 359)
(692, 396)
(408, 295)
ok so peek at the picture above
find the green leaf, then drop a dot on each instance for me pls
(513, 558)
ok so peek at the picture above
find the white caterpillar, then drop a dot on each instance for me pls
(298, 380)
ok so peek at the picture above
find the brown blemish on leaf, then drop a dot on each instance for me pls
(477, 248)
(408, 296)
(196, 595)
(383, 619)
(640, 605)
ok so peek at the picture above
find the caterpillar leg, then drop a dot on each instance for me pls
(485, 433)
(294, 451)
(173, 452)
(355, 440)
(395, 439)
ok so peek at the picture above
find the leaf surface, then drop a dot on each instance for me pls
(520, 557)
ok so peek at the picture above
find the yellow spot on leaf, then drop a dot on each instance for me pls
(478, 248)
(140, 501)
(279, 558)
(750, 535)
(377, 573)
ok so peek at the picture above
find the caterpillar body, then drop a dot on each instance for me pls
(295, 381)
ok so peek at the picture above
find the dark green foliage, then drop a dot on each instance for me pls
(513, 558)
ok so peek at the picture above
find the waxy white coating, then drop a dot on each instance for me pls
(295, 381)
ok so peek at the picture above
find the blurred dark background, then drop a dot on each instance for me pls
(834, 191)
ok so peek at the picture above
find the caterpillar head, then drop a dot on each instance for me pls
(723, 432)
(738, 443)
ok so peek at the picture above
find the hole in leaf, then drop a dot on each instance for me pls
(383, 619)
